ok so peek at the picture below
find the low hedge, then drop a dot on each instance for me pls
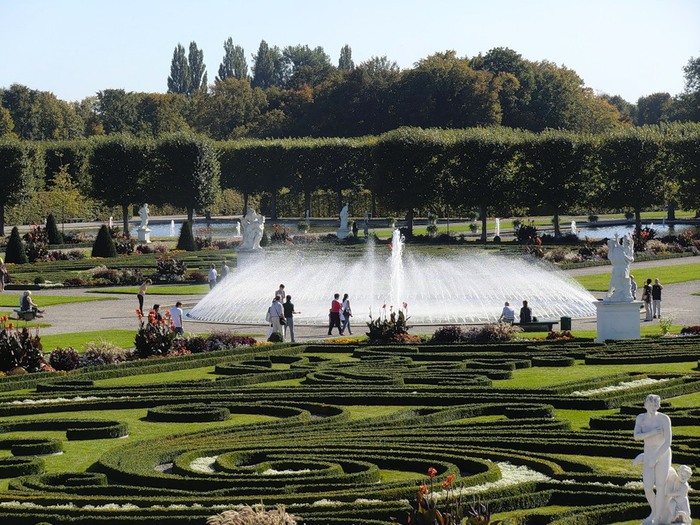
(195, 412)
(13, 467)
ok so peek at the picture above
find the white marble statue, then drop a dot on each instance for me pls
(620, 256)
(654, 428)
(677, 503)
(143, 213)
(253, 228)
(237, 227)
(344, 217)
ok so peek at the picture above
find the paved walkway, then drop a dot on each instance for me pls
(119, 311)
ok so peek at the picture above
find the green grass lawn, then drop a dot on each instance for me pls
(159, 289)
(78, 340)
(680, 273)
(11, 299)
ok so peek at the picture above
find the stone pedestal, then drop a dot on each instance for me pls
(343, 233)
(617, 320)
(144, 234)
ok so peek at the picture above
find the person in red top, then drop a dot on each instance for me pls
(334, 316)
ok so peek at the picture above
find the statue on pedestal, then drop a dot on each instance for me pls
(143, 213)
(620, 256)
(344, 230)
(253, 228)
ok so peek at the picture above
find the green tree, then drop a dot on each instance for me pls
(653, 109)
(197, 69)
(119, 169)
(269, 67)
(682, 149)
(161, 113)
(104, 244)
(54, 235)
(234, 64)
(186, 171)
(15, 173)
(63, 196)
(307, 66)
(6, 123)
(345, 62)
(117, 111)
(179, 79)
(630, 162)
(186, 240)
(15, 251)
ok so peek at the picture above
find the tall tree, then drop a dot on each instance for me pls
(118, 168)
(14, 170)
(117, 111)
(308, 66)
(345, 62)
(179, 79)
(198, 71)
(234, 64)
(269, 67)
(187, 166)
(653, 109)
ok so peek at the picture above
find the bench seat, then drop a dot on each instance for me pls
(25, 315)
(537, 326)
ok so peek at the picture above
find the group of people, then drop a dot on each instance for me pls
(339, 314)
(215, 276)
(280, 314)
(176, 314)
(651, 297)
(508, 314)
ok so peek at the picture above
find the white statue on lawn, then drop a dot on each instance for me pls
(344, 217)
(253, 228)
(654, 428)
(620, 256)
(143, 213)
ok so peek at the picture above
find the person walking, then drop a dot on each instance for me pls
(275, 316)
(142, 293)
(334, 314)
(507, 315)
(3, 274)
(212, 276)
(633, 287)
(225, 270)
(289, 312)
(646, 299)
(656, 298)
(346, 314)
(176, 316)
(281, 293)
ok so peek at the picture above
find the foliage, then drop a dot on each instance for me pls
(392, 328)
(265, 240)
(104, 244)
(491, 333)
(36, 242)
(19, 349)
(641, 237)
(124, 243)
(169, 269)
(15, 251)
(54, 235)
(124, 276)
(186, 240)
(203, 238)
(255, 515)
(448, 334)
(690, 330)
(64, 358)
(665, 324)
(526, 233)
(154, 337)
(280, 234)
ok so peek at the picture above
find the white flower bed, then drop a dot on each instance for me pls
(619, 386)
(273, 472)
(204, 464)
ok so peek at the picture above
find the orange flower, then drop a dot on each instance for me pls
(448, 481)
(10, 326)
(423, 489)
(432, 472)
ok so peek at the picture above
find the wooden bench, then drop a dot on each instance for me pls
(537, 326)
(25, 315)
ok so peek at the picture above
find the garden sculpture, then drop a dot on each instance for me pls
(143, 213)
(253, 228)
(621, 255)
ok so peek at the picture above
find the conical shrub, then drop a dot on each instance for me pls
(104, 244)
(186, 240)
(15, 251)
(55, 236)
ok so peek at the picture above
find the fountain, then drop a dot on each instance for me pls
(497, 229)
(574, 230)
(468, 286)
(172, 228)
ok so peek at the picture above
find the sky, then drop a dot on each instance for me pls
(75, 48)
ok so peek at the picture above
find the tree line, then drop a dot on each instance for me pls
(490, 171)
(298, 92)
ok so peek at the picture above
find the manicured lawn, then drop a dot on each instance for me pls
(11, 299)
(78, 340)
(165, 289)
(666, 274)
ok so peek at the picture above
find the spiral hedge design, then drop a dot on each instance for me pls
(310, 447)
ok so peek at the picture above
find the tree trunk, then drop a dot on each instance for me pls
(483, 223)
(671, 212)
(373, 211)
(307, 202)
(125, 218)
(557, 228)
(190, 216)
(245, 202)
(2, 219)
(638, 222)
(409, 222)
(339, 199)
(273, 205)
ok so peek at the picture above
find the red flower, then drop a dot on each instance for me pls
(432, 472)
(448, 481)
(423, 489)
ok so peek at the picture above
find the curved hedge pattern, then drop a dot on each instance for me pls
(351, 441)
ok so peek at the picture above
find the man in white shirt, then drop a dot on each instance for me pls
(212, 277)
(176, 316)
(275, 314)
(508, 314)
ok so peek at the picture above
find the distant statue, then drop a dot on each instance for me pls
(253, 228)
(620, 256)
(344, 217)
(654, 428)
(143, 213)
(237, 227)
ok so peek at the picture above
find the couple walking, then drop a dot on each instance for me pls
(340, 310)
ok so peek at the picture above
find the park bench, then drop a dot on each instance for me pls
(25, 315)
(537, 326)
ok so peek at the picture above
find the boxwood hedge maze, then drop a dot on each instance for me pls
(344, 434)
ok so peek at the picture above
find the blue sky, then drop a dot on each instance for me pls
(75, 48)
